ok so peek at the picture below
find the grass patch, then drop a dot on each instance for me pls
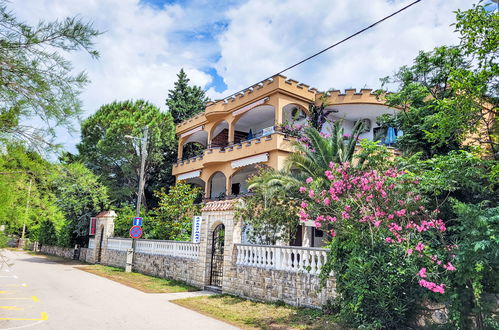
(248, 314)
(144, 283)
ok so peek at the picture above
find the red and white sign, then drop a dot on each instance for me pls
(93, 226)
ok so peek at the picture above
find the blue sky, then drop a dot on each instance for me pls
(225, 46)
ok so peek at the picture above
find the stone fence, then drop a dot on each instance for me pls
(64, 252)
(218, 261)
(261, 272)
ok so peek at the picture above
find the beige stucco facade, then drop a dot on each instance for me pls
(243, 130)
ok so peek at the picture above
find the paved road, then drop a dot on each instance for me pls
(40, 294)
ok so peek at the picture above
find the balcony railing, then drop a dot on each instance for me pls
(165, 248)
(293, 259)
(267, 132)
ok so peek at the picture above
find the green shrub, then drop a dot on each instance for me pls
(47, 233)
(476, 237)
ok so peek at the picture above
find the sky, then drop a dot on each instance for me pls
(225, 46)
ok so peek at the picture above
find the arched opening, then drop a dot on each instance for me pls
(239, 184)
(351, 113)
(220, 135)
(101, 238)
(195, 144)
(293, 114)
(217, 186)
(197, 183)
(255, 123)
(217, 256)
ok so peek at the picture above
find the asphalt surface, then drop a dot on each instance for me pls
(41, 294)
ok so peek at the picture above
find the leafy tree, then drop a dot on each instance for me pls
(176, 208)
(26, 195)
(185, 101)
(106, 151)
(36, 81)
(80, 196)
(449, 96)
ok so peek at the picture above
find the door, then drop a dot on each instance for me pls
(217, 256)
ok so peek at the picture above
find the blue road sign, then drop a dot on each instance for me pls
(137, 222)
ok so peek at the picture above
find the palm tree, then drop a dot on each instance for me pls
(313, 158)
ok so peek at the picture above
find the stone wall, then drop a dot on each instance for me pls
(294, 288)
(181, 269)
(113, 258)
(64, 252)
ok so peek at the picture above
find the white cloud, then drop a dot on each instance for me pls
(264, 37)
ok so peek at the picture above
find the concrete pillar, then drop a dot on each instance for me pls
(232, 129)
(228, 184)
(180, 149)
(278, 104)
(105, 229)
(307, 236)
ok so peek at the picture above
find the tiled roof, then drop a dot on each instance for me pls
(219, 205)
(106, 214)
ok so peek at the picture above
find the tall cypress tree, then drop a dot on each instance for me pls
(185, 101)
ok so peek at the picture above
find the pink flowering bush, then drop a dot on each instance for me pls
(380, 228)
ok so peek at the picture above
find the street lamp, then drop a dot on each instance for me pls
(143, 156)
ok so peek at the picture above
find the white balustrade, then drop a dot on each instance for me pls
(91, 243)
(165, 248)
(294, 259)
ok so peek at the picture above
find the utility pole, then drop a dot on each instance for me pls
(21, 242)
(143, 156)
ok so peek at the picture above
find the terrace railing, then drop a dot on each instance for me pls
(288, 258)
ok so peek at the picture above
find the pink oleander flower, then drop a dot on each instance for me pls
(330, 218)
(409, 251)
(449, 267)
(304, 205)
(377, 223)
(432, 286)
(333, 233)
(309, 179)
(302, 189)
(327, 201)
(348, 208)
(331, 164)
(422, 272)
(311, 193)
(400, 213)
(345, 215)
(420, 247)
(389, 240)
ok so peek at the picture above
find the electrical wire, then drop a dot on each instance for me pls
(332, 46)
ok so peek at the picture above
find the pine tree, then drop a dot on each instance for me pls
(185, 101)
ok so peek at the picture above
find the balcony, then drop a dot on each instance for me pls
(264, 141)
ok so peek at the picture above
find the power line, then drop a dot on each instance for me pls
(333, 45)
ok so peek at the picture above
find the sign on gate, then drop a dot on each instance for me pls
(196, 229)
(93, 226)
(137, 221)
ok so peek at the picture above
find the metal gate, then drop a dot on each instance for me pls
(217, 256)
